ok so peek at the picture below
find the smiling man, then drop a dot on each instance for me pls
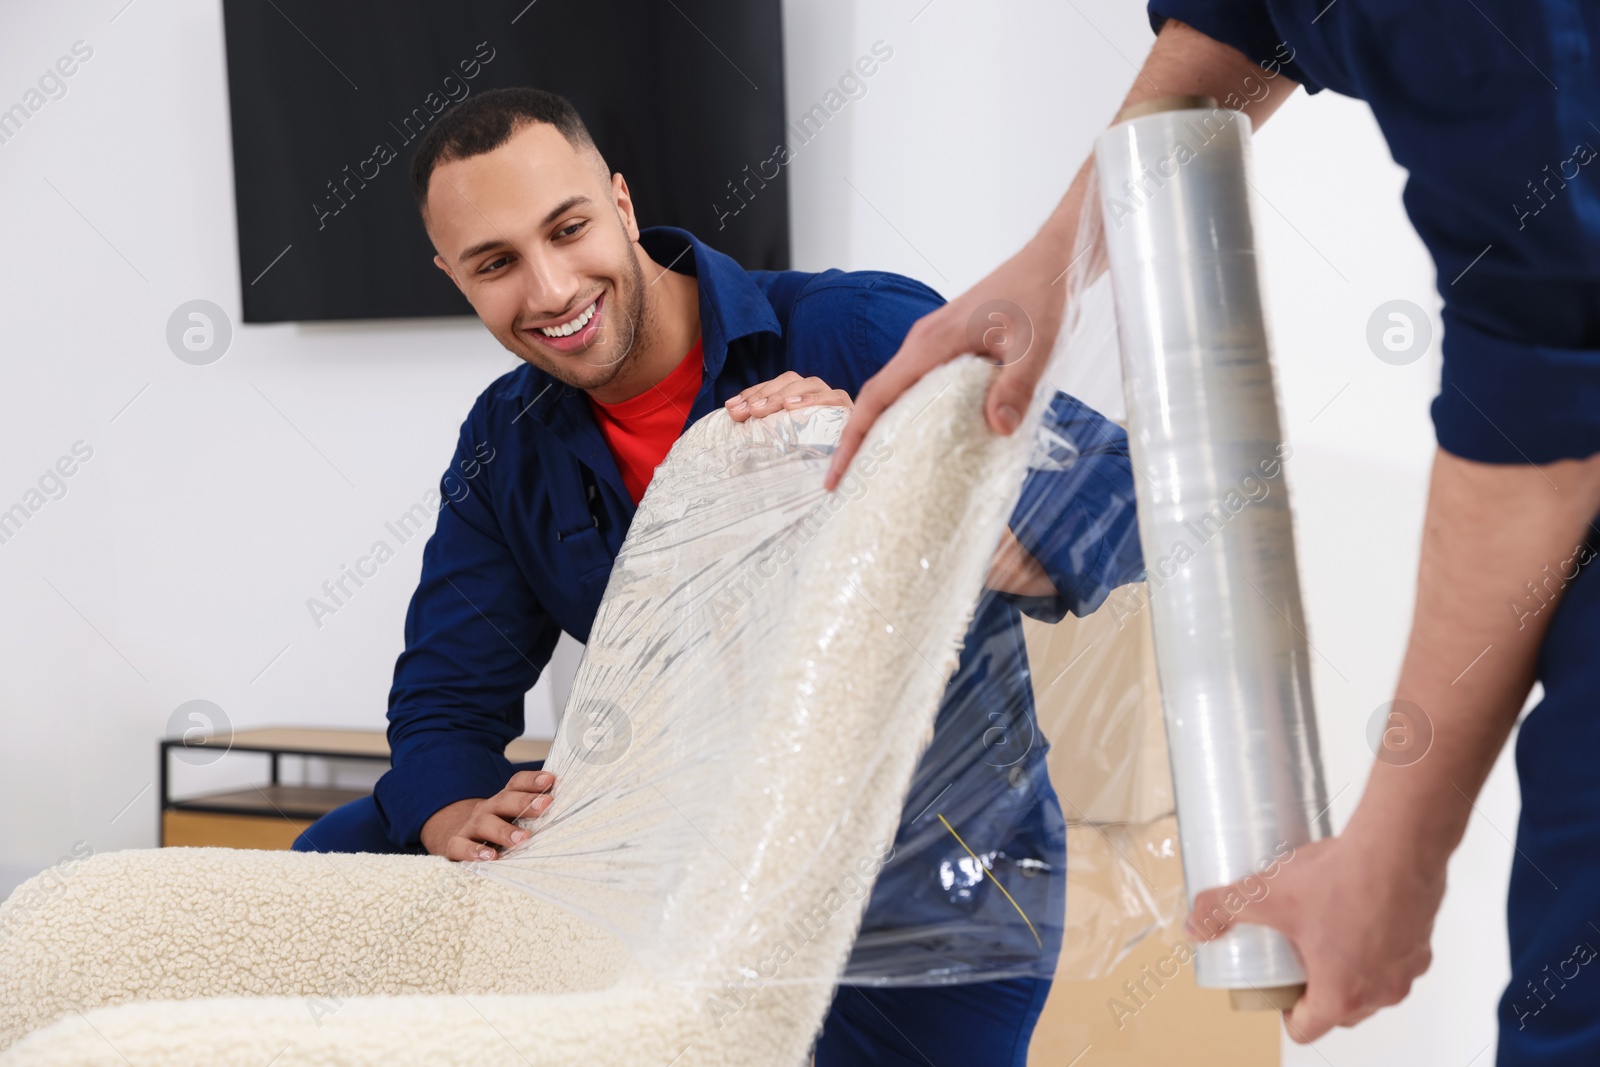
(627, 336)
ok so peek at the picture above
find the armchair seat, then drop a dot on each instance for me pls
(639, 923)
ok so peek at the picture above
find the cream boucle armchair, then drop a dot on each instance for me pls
(214, 956)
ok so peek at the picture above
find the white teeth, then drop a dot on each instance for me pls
(571, 327)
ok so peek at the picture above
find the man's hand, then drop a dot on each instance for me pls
(476, 829)
(1359, 913)
(1026, 295)
(1031, 283)
(785, 393)
(1360, 907)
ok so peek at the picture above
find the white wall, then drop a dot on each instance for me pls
(219, 498)
(178, 564)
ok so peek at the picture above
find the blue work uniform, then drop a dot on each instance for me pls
(535, 512)
(1494, 109)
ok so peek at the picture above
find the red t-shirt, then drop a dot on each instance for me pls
(640, 430)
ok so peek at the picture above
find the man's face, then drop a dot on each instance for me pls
(539, 239)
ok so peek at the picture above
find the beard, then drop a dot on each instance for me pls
(623, 334)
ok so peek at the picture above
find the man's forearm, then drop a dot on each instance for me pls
(1014, 570)
(1469, 665)
(1182, 62)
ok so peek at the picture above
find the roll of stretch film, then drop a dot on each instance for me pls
(1214, 518)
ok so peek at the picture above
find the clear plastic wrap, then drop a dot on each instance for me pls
(714, 625)
(1214, 517)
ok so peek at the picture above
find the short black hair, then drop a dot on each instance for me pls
(482, 123)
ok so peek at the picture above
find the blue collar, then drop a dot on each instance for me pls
(731, 306)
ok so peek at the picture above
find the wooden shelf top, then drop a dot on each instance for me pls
(355, 744)
(289, 801)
